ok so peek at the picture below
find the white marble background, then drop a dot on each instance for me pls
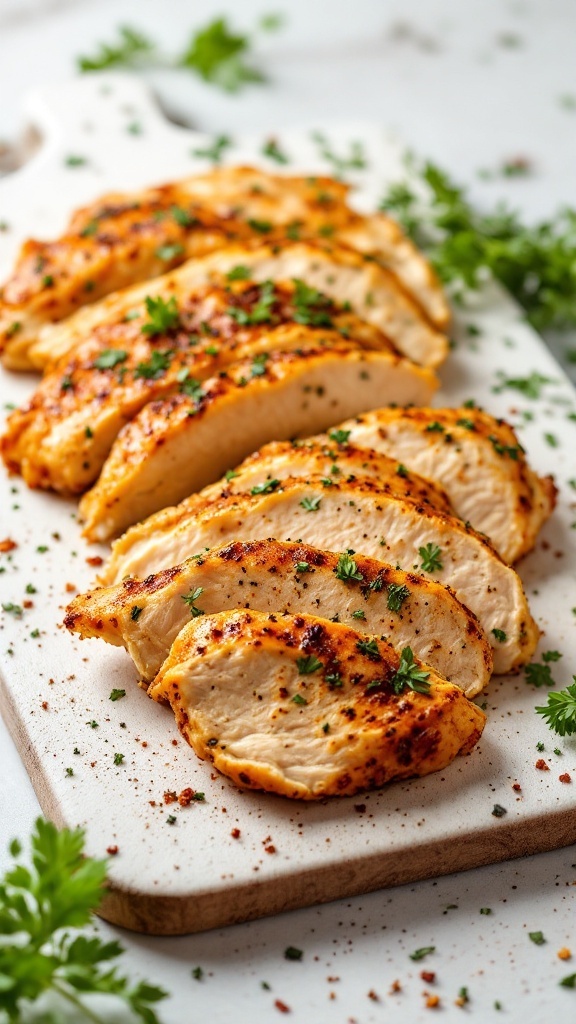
(471, 84)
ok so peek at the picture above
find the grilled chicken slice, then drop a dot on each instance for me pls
(180, 444)
(476, 458)
(62, 437)
(122, 239)
(371, 291)
(289, 578)
(350, 514)
(307, 708)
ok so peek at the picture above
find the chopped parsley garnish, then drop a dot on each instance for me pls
(306, 666)
(197, 973)
(191, 598)
(261, 226)
(397, 594)
(135, 612)
(127, 52)
(299, 699)
(538, 675)
(291, 953)
(334, 680)
(272, 150)
(530, 387)
(190, 386)
(303, 567)
(117, 694)
(347, 569)
(169, 252)
(536, 264)
(12, 609)
(215, 151)
(261, 311)
(369, 648)
(505, 449)
(162, 316)
(537, 938)
(466, 423)
(310, 504)
(401, 470)
(354, 160)
(239, 273)
(44, 902)
(118, 758)
(218, 55)
(88, 432)
(258, 368)
(311, 307)
(409, 675)
(73, 160)
(359, 614)
(265, 488)
(499, 635)
(569, 981)
(230, 474)
(182, 217)
(498, 811)
(339, 436)
(419, 954)
(155, 367)
(110, 358)
(67, 384)
(560, 711)
(431, 556)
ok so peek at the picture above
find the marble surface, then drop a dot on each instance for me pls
(471, 86)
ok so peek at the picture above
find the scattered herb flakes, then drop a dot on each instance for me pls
(310, 504)
(163, 315)
(293, 953)
(135, 612)
(42, 549)
(239, 273)
(354, 160)
(347, 569)
(419, 954)
(485, 910)
(117, 694)
(560, 711)
(12, 609)
(306, 666)
(218, 55)
(155, 367)
(69, 771)
(369, 648)
(529, 387)
(409, 675)
(551, 440)
(397, 594)
(359, 614)
(110, 358)
(540, 746)
(569, 981)
(191, 598)
(537, 938)
(538, 675)
(171, 819)
(118, 759)
(215, 150)
(299, 699)
(498, 811)
(197, 973)
(73, 160)
(303, 567)
(272, 150)
(431, 556)
(266, 487)
(230, 474)
(127, 52)
(311, 307)
(500, 635)
(169, 252)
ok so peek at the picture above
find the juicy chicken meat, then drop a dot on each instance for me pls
(357, 514)
(122, 239)
(255, 695)
(370, 290)
(286, 578)
(477, 459)
(180, 444)
(63, 435)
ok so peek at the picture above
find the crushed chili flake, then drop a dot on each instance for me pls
(112, 850)
(270, 849)
(7, 545)
(235, 833)
(44, 705)
(565, 777)
(281, 1006)
(170, 796)
(174, 743)
(541, 765)
(517, 787)
(186, 797)
(70, 588)
(395, 987)
(95, 560)
(28, 603)
(373, 996)
(428, 976)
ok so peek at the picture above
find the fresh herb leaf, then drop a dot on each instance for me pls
(538, 675)
(499, 635)
(397, 594)
(431, 556)
(560, 711)
(266, 487)
(110, 358)
(299, 699)
(261, 311)
(308, 665)
(339, 436)
(530, 387)
(155, 367)
(303, 567)
(127, 52)
(354, 160)
(310, 504)
(182, 217)
(162, 316)
(419, 954)
(135, 612)
(311, 307)
(239, 273)
(347, 569)
(117, 694)
(191, 598)
(272, 150)
(215, 151)
(369, 648)
(409, 675)
(291, 953)
(537, 938)
(218, 55)
(169, 252)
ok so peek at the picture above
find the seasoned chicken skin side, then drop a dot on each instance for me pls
(356, 514)
(178, 445)
(289, 578)
(63, 435)
(476, 458)
(122, 239)
(306, 708)
(367, 288)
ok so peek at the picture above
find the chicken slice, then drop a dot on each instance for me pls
(178, 445)
(476, 458)
(307, 708)
(370, 290)
(350, 514)
(145, 616)
(63, 435)
(122, 239)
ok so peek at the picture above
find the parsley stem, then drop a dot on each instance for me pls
(67, 994)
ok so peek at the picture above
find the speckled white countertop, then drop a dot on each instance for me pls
(470, 85)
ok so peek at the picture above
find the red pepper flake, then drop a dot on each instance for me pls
(541, 765)
(44, 705)
(174, 743)
(270, 849)
(7, 545)
(112, 850)
(517, 787)
(170, 796)
(235, 833)
(186, 797)
(428, 976)
(395, 987)
(95, 560)
(28, 603)
(152, 803)
(70, 588)
(373, 996)
(282, 1006)
(565, 777)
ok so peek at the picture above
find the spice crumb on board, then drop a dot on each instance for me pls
(565, 777)
(564, 953)
(432, 1000)
(541, 765)
(7, 545)
(283, 1007)
(112, 850)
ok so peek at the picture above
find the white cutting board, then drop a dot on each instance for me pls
(193, 874)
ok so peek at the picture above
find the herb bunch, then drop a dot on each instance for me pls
(536, 264)
(38, 954)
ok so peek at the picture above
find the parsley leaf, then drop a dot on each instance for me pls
(340, 436)
(538, 675)
(369, 648)
(431, 556)
(127, 52)
(347, 570)
(110, 358)
(409, 675)
(311, 307)
(272, 150)
(397, 594)
(162, 316)
(191, 598)
(308, 665)
(560, 711)
(261, 311)
(265, 488)
(310, 504)
(40, 903)
(239, 273)
(214, 151)
(155, 367)
(419, 954)
(217, 54)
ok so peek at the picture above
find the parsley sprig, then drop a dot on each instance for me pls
(560, 711)
(409, 675)
(537, 264)
(39, 904)
(162, 316)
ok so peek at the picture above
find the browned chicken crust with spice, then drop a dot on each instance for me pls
(306, 708)
(122, 239)
(145, 616)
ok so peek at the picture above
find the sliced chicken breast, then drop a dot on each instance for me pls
(63, 435)
(145, 616)
(350, 514)
(122, 239)
(476, 458)
(371, 291)
(179, 445)
(307, 708)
